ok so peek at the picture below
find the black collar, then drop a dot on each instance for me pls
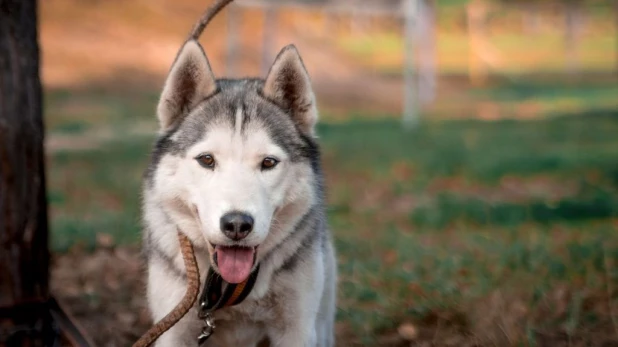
(218, 294)
(215, 296)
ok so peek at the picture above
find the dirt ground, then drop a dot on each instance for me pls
(104, 291)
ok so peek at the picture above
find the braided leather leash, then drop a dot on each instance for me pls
(183, 307)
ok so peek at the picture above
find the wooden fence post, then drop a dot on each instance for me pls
(268, 38)
(426, 47)
(411, 116)
(574, 18)
(233, 49)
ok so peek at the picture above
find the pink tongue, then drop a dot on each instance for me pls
(235, 263)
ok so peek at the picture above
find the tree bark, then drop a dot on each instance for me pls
(24, 254)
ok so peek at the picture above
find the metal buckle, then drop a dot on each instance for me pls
(208, 329)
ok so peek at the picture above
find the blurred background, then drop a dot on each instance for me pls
(470, 150)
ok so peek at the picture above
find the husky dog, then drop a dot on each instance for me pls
(236, 168)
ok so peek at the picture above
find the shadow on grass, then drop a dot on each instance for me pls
(477, 149)
(590, 204)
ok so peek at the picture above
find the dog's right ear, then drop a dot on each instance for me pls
(189, 81)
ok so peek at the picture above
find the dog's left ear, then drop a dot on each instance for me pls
(288, 85)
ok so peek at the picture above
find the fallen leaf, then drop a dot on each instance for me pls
(408, 331)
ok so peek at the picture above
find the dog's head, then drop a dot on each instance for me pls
(236, 162)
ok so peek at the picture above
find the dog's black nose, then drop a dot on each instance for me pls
(236, 225)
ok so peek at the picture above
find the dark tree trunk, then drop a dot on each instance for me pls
(28, 315)
(24, 256)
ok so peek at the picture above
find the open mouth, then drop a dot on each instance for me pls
(234, 262)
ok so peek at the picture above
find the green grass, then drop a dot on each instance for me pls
(412, 276)
(447, 209)
(72, 111)
(425, 223)
(452, 252)
(477, 149)
(97, 191)
(549, 92)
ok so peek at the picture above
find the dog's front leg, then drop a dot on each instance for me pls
(165, 291)
(297, 335)
(177, 336)
(301, 292)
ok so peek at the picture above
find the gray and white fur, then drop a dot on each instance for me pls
(239, 123)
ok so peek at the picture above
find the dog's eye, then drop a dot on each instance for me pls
(206, 160)
(269, 163)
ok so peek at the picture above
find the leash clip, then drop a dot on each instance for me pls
(208, 329)
(214, 297)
